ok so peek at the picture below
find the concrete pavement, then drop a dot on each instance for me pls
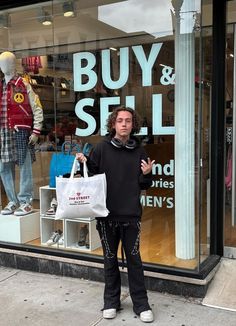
(35, 299)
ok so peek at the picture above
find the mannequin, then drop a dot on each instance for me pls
(21, 118)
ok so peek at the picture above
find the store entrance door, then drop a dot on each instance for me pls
(230, 153)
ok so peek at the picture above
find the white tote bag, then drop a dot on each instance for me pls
(83, 197)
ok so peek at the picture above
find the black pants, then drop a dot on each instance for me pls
(129, 233)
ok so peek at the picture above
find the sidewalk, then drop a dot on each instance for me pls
(35, 299)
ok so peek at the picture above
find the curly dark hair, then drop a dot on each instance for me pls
(112, 118)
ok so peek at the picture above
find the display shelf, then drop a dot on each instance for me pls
(73, 234)
(20, 229)
(48, 225)
(71, 228)
(46, 195)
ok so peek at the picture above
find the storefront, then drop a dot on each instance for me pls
(83, 58)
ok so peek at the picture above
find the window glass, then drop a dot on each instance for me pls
(85, 60)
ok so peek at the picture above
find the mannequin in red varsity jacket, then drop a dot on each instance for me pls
(21, 118)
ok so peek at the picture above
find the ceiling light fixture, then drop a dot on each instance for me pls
(47, 19)
(68, 9)
(44, 17)
(5, 21)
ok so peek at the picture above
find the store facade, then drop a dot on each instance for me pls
(83, 58)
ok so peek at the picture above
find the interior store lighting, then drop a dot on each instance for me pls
(47, 19)
(5, 21)
(44, 17)
(68, 9)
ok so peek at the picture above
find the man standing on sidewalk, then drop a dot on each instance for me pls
(128, 171)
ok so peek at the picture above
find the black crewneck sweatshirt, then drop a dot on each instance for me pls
(124, 176)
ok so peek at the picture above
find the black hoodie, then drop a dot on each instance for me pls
(125, 179)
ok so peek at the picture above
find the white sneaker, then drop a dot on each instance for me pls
(24, 209)
(53, 207)
(109, 313)
(9, 209)
(54, 238)
(146, 316)
(61, 241)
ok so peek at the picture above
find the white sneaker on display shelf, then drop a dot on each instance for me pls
(53, 207)
(9, 209)
(61, 241)
(55, 238)
(24, 209)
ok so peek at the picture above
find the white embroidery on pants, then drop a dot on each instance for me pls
(108, 252)
(135, 250)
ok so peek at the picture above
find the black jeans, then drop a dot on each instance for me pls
(111, 233)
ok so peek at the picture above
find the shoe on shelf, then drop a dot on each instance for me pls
(61, 240)
(51, 239)
(9, 209)
(146, 316)
(24, 209)
(53, 207)
(54, 238)
(82, 235)
(87, 241)
(58, 236)
(109, 313)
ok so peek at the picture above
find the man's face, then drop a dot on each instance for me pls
(123, 124)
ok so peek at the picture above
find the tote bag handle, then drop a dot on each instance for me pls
(75, 168)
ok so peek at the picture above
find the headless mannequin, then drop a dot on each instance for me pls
(17, 96)
(8, 65)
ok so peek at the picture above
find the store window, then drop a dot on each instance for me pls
(82, 61)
